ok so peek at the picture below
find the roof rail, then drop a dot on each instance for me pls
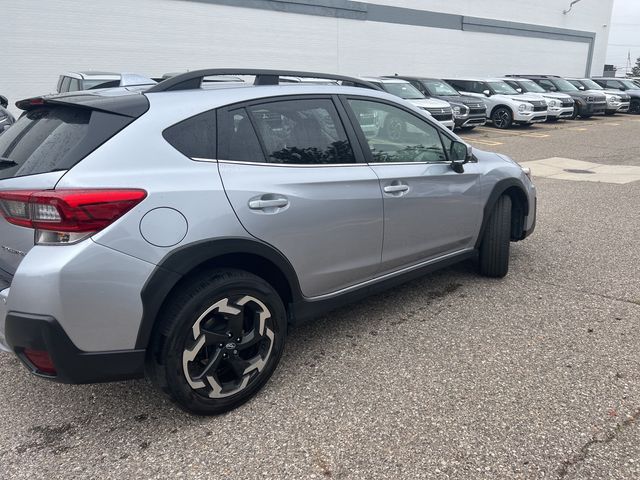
(193, 80)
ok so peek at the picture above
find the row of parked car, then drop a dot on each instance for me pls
(458, 103)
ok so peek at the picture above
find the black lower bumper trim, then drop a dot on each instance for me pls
(40, 332)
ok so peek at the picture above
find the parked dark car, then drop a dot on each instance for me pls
(468, 112)
(627, 86)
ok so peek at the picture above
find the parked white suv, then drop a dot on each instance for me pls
(560, 104)
(438, 109)
(505, 106)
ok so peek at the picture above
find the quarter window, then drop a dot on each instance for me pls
(395, 135)
(301, 132)
(194, 137)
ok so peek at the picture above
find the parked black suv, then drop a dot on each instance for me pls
(624, 85)
(468, 112)
(586, 104)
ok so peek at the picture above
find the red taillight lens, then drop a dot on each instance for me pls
(68, 211)
(41, 360)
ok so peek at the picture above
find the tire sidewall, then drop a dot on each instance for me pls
(174, 344)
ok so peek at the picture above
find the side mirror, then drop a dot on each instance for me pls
(581, 87)
(622, 87)
(553, 89)
(487, 93)
(519, 90)
(459, 154)
(3, 101)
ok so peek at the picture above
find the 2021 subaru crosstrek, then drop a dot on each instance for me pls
(175, 232)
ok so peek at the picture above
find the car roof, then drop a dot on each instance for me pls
(91, 74)
(384, 79)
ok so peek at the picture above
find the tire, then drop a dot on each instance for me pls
(467, 129)
(494, 248)
(552, 119)
(502, 118)
(610, 112)
(586, 116)
(195, 361)
(576, 110)
(634, 107)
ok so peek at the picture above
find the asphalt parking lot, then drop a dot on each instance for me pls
(453, 376)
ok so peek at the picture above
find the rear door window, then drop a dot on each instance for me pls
(302, 132)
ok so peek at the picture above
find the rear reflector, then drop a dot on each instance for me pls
(41, 360)
(67, 212)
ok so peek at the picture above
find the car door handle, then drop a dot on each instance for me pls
(396, 188)
(261, 204)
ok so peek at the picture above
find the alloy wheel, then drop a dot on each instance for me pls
(228, 346)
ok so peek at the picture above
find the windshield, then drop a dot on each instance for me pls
(439, 87)
(502, 88)
(563, 86)
(403, 90)
(530, 86)
(99, 83)
(590, 84)
(629, 84)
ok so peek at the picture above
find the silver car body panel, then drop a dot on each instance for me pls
(332, 231)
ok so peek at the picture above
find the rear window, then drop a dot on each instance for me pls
(48, 139)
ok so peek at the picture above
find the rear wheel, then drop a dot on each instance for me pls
(494, 248)
(502, 118)
(218, 342)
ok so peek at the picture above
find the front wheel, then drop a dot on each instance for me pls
(494, 248)
(502, 118)
(218, 342)
(634, 107)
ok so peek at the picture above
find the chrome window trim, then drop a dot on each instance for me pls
(295, 165)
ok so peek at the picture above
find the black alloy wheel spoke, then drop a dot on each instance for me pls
(249, 340)
(238, 365)
(235, 325)
(213, 338)
(211, 367)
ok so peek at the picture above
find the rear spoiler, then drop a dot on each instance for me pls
(128, 105)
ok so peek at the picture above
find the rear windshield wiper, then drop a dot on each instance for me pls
(7, 163)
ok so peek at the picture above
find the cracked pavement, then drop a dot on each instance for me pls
(451, 376)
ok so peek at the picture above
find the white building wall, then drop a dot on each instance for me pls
(43, 39)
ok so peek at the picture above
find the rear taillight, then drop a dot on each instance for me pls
(67, 216)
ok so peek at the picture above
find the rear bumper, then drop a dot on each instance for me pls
(40, 332)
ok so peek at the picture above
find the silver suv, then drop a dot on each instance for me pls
(177, 232)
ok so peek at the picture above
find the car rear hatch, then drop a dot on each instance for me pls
(51, 136)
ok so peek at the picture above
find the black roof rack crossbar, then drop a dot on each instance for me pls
(193, 80)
